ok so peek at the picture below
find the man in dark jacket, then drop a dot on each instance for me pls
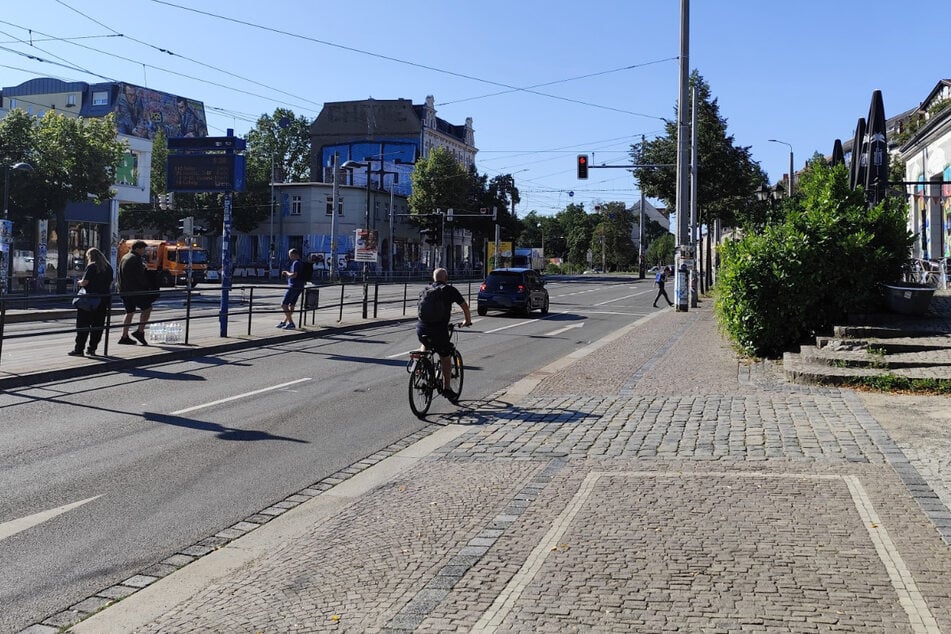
(133, 282)
(436, 333)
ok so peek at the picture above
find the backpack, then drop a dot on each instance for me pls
(432, 307)
(306, 272)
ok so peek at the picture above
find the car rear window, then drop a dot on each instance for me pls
(503, 281)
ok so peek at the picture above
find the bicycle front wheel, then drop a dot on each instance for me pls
(456, 376)
(421, 387)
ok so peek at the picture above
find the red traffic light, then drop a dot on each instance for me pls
(582, 166)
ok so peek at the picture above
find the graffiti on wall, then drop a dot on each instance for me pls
(142, 112)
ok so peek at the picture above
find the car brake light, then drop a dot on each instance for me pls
(520, 288)
(482, 288)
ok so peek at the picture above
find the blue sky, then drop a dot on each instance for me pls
(800, 72)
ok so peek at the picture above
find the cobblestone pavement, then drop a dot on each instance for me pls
(657, 484)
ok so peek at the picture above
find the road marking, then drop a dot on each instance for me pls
(237, 396)
(903, 583)
(617, 299)
(15, 526)
(561, 330)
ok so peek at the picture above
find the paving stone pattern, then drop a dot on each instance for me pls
(659, 484)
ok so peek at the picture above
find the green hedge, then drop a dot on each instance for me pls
(788, 282)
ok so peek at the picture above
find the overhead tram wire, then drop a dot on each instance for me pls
(189, 59)
(390, 58)
(563, 81)
(159, 68)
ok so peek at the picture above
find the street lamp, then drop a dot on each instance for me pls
(791, 188)
(8, 239)
(352, 165)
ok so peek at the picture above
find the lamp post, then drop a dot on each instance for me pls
(334, 193)
(8, 239)
(791, 175)
(351, 165)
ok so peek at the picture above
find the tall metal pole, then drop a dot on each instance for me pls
(366, 235)
(694, 225)
(334, 193)
(683, 159)
(225, 259)
(791, 188)
(5, 272)
(392, 216)
(641, 262)
(271, 247)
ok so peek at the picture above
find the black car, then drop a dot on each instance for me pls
(516, 290)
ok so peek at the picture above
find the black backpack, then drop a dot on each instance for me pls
(306, 273)
(432, 307)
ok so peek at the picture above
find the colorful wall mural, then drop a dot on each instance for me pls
(142, 112)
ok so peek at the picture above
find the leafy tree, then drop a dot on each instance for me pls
(578, 229)
(72, 159)
(439, 182)
(728, 177)
(661, 250)
(613, 234)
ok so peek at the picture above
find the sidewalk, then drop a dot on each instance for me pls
(648, 482)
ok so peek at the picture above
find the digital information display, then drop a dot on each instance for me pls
(205, 173)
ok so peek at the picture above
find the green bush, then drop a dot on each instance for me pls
(790, 281)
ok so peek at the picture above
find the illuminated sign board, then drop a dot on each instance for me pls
(205, 173)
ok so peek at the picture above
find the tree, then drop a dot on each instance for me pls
(72, 158)
(728, 177)
(439, 182)
(578, 229)
(661, 250)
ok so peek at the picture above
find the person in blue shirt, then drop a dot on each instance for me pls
(659, 281)
(295, 285)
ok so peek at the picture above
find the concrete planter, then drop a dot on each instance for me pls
(908, 298)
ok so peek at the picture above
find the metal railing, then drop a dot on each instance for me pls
(188, 306)
(932, 273)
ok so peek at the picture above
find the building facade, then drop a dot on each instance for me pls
(140, 114)
(927, 159)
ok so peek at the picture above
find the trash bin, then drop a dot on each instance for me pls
(311, 296)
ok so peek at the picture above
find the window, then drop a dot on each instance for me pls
(297, 205)
(376, 210)
(70, 100)
(330, 206)
(100, 98)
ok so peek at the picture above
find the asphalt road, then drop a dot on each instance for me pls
(102, 477)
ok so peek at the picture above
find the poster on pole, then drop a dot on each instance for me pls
(505, 253)
(366, 242)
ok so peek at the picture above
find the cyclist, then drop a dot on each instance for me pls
(433, 328)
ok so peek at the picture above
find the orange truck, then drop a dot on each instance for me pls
(170, 260)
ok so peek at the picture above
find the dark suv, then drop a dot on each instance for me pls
(516, 290)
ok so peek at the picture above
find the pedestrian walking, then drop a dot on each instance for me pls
(133, 282)
(295, 285)
(97, 282)
(660, 280)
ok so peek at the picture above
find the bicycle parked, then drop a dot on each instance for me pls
(425, 375)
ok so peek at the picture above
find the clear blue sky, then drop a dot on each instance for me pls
(802, 72)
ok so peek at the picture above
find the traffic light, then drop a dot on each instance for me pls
(186, 226)
(582, 166)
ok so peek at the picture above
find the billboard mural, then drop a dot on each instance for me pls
(392, 172)
(142, 112)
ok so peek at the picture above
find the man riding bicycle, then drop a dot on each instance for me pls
(432, 327)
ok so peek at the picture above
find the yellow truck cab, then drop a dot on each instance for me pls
(170, 260)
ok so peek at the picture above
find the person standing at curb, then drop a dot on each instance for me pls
(132, 282)
(659, 281)
(97, 280)
(295, 285)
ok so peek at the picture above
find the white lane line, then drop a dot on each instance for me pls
(617, 299)
(909, 597)
(565, 329)
(15, 526)
(237, 396)
(493, 617)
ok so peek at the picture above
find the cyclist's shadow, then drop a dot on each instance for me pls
(493, 410)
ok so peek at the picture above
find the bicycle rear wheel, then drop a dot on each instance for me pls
(421, 387)
(455, 379)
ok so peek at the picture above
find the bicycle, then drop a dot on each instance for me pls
(425, 375)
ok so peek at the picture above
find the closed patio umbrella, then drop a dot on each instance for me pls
(838, 156)
(857, 163)
(876, 175)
